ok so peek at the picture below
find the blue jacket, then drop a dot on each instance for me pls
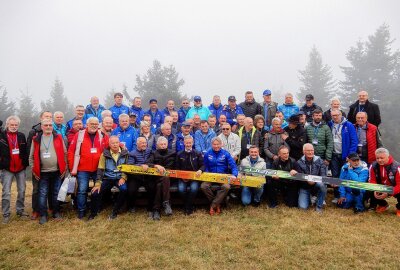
(317, 167)
(166, 112)
(349, 137)
(117, 110)
(216, 111)
(91, 112)
(288, 110)
(179, 142)
(157, 118)
(359, 174)
(202, 111)
(220, 162)
(62, 130)
(139, 113)
(70, 122)
(203, 141)
(137, 157)
(127, 136)
(232, 114)
(182, 114)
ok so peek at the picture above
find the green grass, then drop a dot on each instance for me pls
(240, 238)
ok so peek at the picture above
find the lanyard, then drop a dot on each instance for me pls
(337, 130)
(266, 113)
(248, 136)
(316, 130)
(13, 142)
(48, 145)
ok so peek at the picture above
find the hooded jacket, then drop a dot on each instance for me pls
(273, 140)
(359, 174)
(389, 174)
(216, 111)
(203, 141)
(288, 110)
(349, 137)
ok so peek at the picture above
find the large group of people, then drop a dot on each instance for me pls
(215, 138)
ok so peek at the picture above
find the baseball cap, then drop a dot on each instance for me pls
(231, 98)
(309, 97)
(353, 156)
(197, 98)
(186, 124)
(152, 100)
(267, 92)
(294, 119)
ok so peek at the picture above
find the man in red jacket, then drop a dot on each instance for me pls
(83, 158)
(385, 171)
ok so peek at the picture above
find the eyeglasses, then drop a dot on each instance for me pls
(185, 102)
(226, 129)
(47, 125)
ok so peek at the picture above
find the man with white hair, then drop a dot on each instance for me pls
(335, 104)
(248, 135)
(125, 132)
(79, 114)
(58, 124)
(230, 141)
(166, 132)
(273, 141)
(385, 171)
(94, 109)
(13, 162)
(364, 105)
(288, 108)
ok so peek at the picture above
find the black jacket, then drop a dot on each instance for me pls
(35, 130)
(296, 140)
(314, 167)
(251, 109)
(5, 157)
(309, 110)
(189, 161)
(165, 158)
(327, 115)
(372, 110)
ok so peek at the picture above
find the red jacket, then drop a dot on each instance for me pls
(88, 161)
(386, 176)
(372, 144)
(58, 146)
(16, 164)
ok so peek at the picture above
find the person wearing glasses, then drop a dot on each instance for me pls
(199, 109)
(230, 141)
(183, 110)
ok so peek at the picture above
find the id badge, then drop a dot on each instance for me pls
(315, 141)
(360, 145)
(154, 126)
(15, 151)
(335, 140)
(248, 146)
(234, 120)
(93, 150)
(46, 155)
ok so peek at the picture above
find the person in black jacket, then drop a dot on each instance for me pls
(296, 137)
(309, 107)
(250, 107)
(335, 104)
(364, 105)
(162, 158)
(189, 160)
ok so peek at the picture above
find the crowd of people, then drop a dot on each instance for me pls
(215, 138)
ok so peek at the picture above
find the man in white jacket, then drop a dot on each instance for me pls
(230, 141)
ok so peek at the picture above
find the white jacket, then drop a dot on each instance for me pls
(231, 144)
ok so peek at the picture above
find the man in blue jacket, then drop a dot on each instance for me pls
(355, 170)
(185, 131)
(118, 107)
(202, 137)
(199, 109)
(157, 117)
(183, 110)
(218, 160)
(136, 108)
(94, 109)
(216, 107)
(288, 108)
(126, 133)
(169, 108)
(231, 111)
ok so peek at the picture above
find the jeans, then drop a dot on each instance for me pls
(247, 193)
(83, 185)
(47, 180)
(304, 195)
(188, 195)
(35, 194)
(336, 165)
(6, 197)
(106, 185)
(353, 199)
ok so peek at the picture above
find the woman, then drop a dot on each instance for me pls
(146, 133)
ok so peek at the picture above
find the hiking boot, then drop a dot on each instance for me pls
(256, 204)
(318, 210)
(132, 210)
(57, 216)
(113, 215)
(22, 214)
(42, 220)
(81, 215)
(6, 219)
(358, 211)
(91, 216)
(167, 208)
(381, 209)
(212, 211)
(218, 210)
(156, 215)
(34, 215)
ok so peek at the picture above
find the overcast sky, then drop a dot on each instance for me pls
(224, 47)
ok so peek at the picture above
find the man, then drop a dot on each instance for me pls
(253, 160)
(118, 108)
(273, 141)
(199, 109)
(250, 107)
(136, 108)
(147, 118)
(76, 126)
(216, 107)
(313, 165)
(162, 158)
(126, 133)
(183, 110)
(48, 161)
(368, 138)
(320, 136)
(268, 108)
(175, 125)
(302, 119)
(157, 117)
(289, 188)
(248, 136)
(309, 107)
(202, 137)
(83, 157)
(335, 104)
(189, 160)
(364, 105)
(13, 162)
(288, 108)
(212, 123)
(94, 109)
(167, 120)
(296, 137)
(355, 170)
(107, 125)
(79, 115)
(217, 160)
(138, 157)
(36, 129)
(240, 122)
(231, 111)
(169, 108)
(385, 171)
(109, 176)
(230, 141)
(166, 132)
(58, 124)
(196, 123)
(280, 115)
(133, 123)
(185, 131)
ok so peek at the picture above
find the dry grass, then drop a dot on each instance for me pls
(252, 238)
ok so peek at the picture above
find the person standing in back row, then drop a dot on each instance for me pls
(364, 105)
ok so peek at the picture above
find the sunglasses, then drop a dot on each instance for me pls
(226, 129)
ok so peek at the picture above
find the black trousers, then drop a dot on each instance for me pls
(375, 202)
(134, 183)
(289, 190)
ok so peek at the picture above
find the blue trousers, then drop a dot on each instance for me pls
(83, 186)
(248, 192)
(106, 186)
(47, 180)
(353, 200)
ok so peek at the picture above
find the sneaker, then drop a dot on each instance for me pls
(398, 212)
(335, 200)
(313, 199)
(42, 220)
(35, 215)
(381, 209)
(150, 214)
(318, 210)
(113, 215)
(156, 215)
(6, 219)
(324, 203)
(167, 208)
(57, 216)
(256, 204)
(357, 211)
(22, 214)
(132, 210)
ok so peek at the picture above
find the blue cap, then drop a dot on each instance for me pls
(152, 100)
(197, 98)
(186, 124)
(267, 92)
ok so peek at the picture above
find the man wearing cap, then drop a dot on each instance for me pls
(185, 131)
(216, 107)
(132, 121)
(250, 107)
(364, 105)
(309, 107)
(183, 110)
(199, 109)
(157, 117)
(296, 137)
(136, 108)
(268, 108)
(355, 170)
(288, 108)
(118, 107)
(231, 111)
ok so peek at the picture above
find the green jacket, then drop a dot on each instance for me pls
(324, 148)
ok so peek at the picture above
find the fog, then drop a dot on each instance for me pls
(224, 47)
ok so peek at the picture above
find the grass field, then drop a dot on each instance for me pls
(240, 238)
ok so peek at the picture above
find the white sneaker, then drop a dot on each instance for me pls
(313, 199)
(334, 201)
(324, 203)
